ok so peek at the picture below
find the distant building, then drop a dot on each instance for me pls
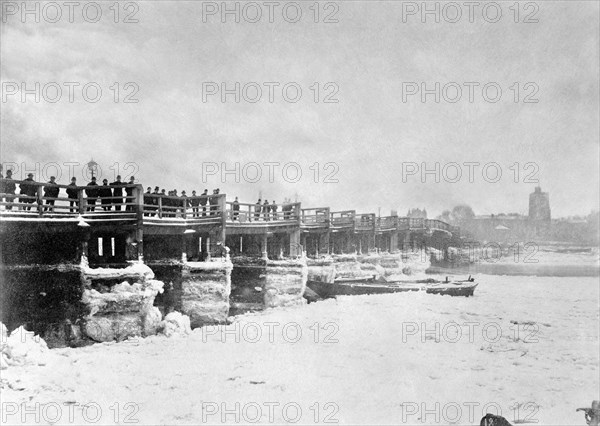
(417, 213)
(539, 205)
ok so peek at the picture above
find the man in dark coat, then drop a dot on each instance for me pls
(274, 210)
(203, 201)
(50, 193)
(213, 201)
(92, 194)
(129, 191)
(148, 201)
(28, 189)
(236, 209)
(195, 202)
(105, 193)
(155, 198)
(9, 188)
(266, 210)
(117, 193)
(257, 209)
(73, 195)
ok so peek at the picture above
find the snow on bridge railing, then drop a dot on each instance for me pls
(343, 218)
(262, 213)
(316, 216)
(387, 223)
(195, 210)
(365, 222)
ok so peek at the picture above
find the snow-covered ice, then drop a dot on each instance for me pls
(527, 345)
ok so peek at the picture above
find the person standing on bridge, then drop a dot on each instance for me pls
(236, 209)
(154, 200)
(117, 193)
(274, 210)
(92, 193)
(214, 201)
(257, 209)
(28, 189)
(203, 201)
(105, 194)
(129, 191)
(266, 210)
(185, 202)
(195, 202)
(50, 193)
(148, 202)
(9, 188)
(73, 195)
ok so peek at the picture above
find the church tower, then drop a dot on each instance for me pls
(539, 205)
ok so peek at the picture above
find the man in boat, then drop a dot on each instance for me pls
(50, 193)
(117, 193)
(92, 194)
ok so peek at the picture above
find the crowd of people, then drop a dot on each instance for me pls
(109, 195)
(119, 194)
(172, 204)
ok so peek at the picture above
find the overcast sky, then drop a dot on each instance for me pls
(367, 55)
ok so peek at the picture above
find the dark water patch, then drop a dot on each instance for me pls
(42, 299)
(245, 296)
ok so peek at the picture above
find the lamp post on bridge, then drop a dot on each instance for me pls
(92, 166)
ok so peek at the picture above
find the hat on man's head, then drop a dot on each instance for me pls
(29, 174)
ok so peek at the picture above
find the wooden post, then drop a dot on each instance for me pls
(208, 257)
(40, 201)
(223, 206)
(183, 248)
(139, 235)
(81, 200)
(265, 253)
(394, 241)
(160, 210)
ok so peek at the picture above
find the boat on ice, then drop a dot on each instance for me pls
(453, 288)
(351, 287)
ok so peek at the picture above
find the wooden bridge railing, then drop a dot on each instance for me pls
(262, 213)
(387, 223)
(343, 219)
(365, 222)
(437, 224)
(316, 217)
(38, 199)
(196, 210)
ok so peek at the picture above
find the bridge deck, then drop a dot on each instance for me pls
(166, 214)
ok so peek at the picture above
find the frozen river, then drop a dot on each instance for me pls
(523, 347)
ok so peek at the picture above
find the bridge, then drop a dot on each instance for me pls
(136, 224)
